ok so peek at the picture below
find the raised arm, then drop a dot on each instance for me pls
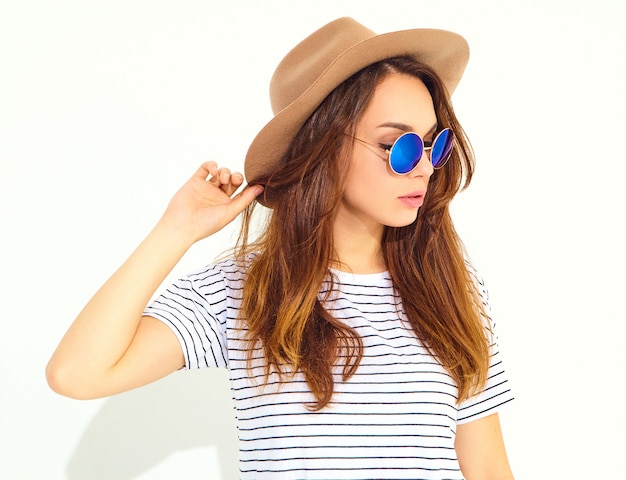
(110, 347)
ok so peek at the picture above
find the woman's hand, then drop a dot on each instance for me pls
(205, 203)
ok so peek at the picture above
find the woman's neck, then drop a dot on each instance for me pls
(358, 247)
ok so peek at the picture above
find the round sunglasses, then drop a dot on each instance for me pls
(406, 152)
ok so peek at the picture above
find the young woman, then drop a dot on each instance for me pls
(356, 333)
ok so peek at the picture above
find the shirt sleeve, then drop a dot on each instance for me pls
(497, 391)
(194, 308)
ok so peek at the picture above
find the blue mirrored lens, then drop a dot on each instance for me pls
(406, 152)
(441, 148)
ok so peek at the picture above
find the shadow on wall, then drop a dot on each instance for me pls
(137, 430)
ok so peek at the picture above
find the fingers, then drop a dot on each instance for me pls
(221, 177)
(229, 182)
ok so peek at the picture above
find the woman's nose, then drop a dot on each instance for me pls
(424, 167)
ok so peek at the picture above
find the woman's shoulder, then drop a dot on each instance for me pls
(229, 270)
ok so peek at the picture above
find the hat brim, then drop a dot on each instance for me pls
(447, 53)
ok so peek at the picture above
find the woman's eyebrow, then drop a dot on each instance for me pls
(399, 126)
(404, 127)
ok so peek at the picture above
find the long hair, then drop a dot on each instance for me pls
(282, 307)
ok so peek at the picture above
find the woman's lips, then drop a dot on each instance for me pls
(413, 199)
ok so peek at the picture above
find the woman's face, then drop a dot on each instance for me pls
(374, 195)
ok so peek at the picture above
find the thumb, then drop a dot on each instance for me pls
(245, 198)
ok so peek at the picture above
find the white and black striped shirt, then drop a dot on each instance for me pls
(394, 418)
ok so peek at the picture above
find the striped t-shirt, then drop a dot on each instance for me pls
(394, 418)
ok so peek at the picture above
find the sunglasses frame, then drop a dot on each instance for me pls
(389, 151)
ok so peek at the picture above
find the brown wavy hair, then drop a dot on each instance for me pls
(282, 307)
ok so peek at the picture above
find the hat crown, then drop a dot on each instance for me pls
(308, 60)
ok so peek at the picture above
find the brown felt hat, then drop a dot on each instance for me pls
(327, 57)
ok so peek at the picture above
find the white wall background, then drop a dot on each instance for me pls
(107, 107)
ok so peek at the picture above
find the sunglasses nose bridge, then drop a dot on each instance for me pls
(424, 166)
(428, 152)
